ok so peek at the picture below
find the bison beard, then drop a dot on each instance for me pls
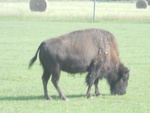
(92, 50)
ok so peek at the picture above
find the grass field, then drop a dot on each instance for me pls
(21, 32)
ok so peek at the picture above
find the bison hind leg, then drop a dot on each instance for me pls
(45, 78)
(55, 81)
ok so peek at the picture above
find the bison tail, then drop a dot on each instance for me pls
(34, 58)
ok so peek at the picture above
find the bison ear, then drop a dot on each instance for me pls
(126, 72)
(123, 70)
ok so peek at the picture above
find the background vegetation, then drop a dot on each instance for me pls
(73, 10)
(21, 32)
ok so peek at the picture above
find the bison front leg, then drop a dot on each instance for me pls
(88, 94)
(45, 78)
(97, 93)
(55, 81)
(90, 79)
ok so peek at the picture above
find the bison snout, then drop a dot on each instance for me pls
(118, 92)
(122, 93)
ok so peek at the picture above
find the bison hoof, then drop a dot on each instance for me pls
(89, 96)
(65, 98)
(48, 97)
(97, 94)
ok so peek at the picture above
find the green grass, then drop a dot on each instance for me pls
(21, 32)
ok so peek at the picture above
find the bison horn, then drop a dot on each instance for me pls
(130, 69)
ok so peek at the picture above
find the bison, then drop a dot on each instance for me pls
(91, 50)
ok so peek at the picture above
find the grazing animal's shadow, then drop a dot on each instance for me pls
(21, 98)
(55, 97)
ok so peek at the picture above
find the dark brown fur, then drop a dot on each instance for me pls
(92, 50)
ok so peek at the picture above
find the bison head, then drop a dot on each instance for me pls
(119, 81)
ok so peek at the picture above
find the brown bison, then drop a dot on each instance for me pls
(92, 50)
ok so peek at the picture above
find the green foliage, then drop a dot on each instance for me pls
(21, 89)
